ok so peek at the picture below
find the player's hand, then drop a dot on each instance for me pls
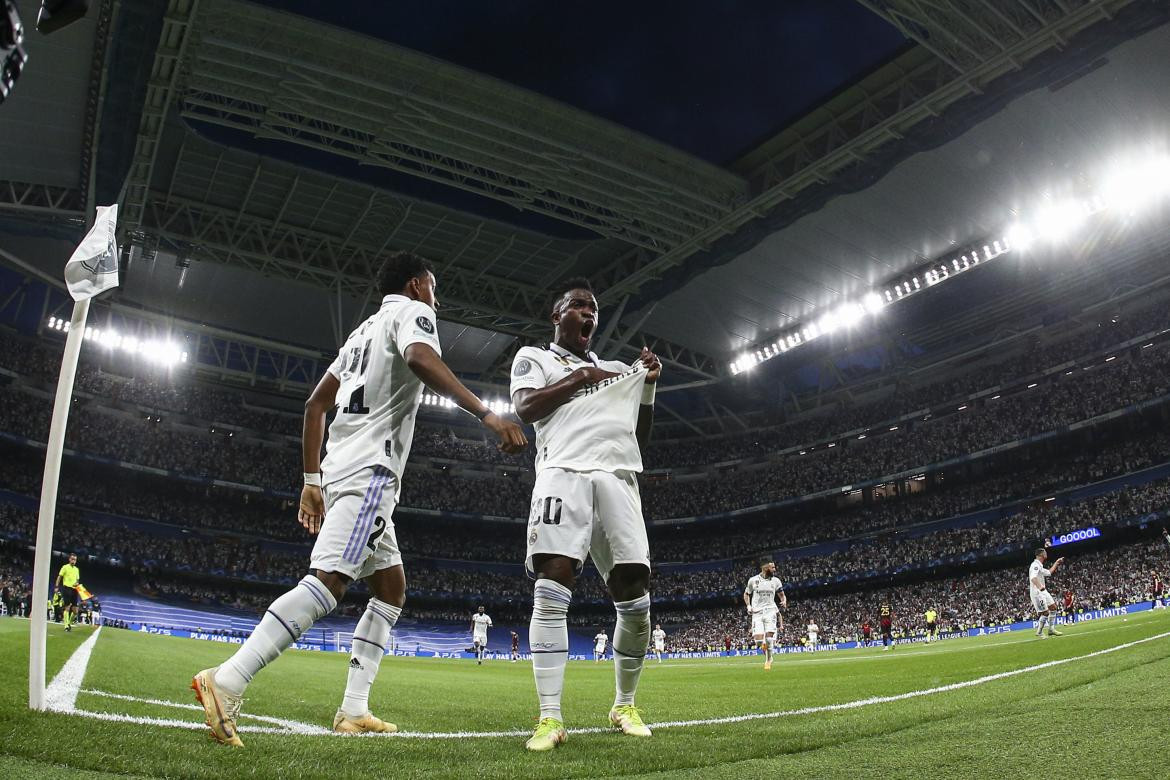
(511, 435)
(653, 365)
(591, 375)
(1060, 560)
(312, 509)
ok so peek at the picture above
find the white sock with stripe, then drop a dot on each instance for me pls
(289, 617)
(548, 637)
(629, 646)
(369, 645)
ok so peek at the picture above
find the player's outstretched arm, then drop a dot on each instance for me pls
(646, 409)
(430, 368)
(534, 404)
(311, 512)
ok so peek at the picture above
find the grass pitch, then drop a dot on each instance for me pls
(1101, 716)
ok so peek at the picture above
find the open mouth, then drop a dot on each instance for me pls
(587, 329)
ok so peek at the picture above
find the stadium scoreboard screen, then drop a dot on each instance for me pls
(1076, 536)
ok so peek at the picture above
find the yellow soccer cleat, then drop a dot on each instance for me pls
(366, 724)
(629, 720)
(767, 666)
(220, 710)
(550, 733)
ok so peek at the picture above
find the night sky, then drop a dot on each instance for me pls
(713, 78)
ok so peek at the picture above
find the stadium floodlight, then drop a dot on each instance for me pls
(1059, 220)
(1136, 183)
(850, 314)
(1020, 237)
(873, 303)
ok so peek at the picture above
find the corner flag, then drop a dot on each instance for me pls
(93, 267)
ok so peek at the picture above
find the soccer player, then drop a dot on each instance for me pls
(659, 637)
(886, 620)
(599, 643)
(66, 586)
(931, 625)
(349, 498)
(480, 623)
(1158, 590)
(515, 647)
(1069, 602)
(1042, 600)
(813, 632)
(592, 419)
(760, 597)
(866, 633)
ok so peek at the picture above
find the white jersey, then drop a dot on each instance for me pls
(599, 642)
(1037, 571)
(659, 637)
(594, 431)
(762, 591)
(480, 624)
(813, 629)
(379, 394)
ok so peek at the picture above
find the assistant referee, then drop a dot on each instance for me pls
(66, 585)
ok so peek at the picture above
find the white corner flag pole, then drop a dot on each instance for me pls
(48, 509)
(92, 268)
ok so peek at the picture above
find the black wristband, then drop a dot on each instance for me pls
(486, 412)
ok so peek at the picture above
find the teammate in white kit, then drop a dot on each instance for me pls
(659, 637)
(760, 597)
(592, 418)
(1042, 600)
(377, 379)
(480, 623)
(813, 631)
(599, 643)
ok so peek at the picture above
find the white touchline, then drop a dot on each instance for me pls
(61, 695)
(65, 688)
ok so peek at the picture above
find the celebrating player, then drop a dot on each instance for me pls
(1042, 600)
(592, 418)
(480, 623)
(886, 620)
(599, 643)
(515, 647)
(1158, 592)
(760, 597)
(866, 633)
(67, 579)
(813, 632)
(931, 625)
(659, 637)
(377, 377)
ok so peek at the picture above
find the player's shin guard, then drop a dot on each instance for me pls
(548, 636)
(286, 620)
(369, 645)
(629, 646)
(770, 647)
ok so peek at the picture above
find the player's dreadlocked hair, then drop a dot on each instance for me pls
(400, 268)
(558, 292)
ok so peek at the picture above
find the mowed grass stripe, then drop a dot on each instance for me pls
(306, 687)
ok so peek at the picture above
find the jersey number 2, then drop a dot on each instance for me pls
(379, 528)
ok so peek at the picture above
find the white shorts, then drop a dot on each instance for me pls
(480, 640)
(357, 538)
(659, 647)
(1042, 600)
(812, 639)
(764, 623)
(599, 651)
(594, 513)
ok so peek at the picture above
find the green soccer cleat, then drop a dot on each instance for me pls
(629, 719)
(550, 733)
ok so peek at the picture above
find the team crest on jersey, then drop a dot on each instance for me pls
(523, 367)
(532, 538)
(425, 325)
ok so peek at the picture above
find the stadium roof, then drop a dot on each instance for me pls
(260, 162)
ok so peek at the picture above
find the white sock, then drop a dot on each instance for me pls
(629, 646)
(548, 636)
(286, 620)
(370, 638)
(1043, 622)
